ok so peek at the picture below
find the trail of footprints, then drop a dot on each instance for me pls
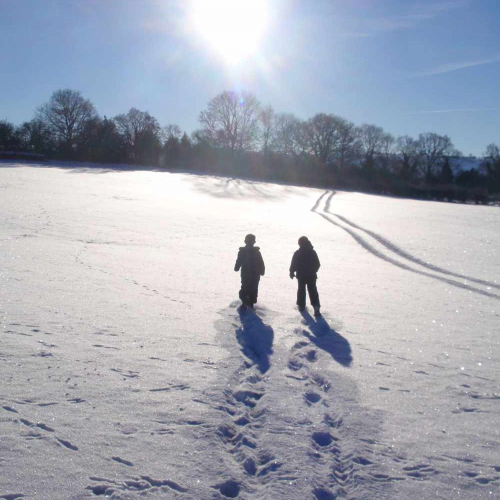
(246, 419)
(343, 470)
(347, 467)
(326, 440)
(241, 435)
(148, 291)
(99, 486)
(38, 430)
(106, 487)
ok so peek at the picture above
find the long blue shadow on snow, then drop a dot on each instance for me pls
(326, 338)
(256, 339)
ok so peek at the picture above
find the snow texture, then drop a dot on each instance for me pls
(128, 370)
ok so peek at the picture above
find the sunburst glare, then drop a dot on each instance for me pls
(234, 29)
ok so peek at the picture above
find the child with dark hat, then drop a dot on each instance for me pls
(252, 267)
(305, 265)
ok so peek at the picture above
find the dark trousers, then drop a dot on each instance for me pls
(311, 289)
(249, 289)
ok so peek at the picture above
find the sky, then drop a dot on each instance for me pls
(408, 66)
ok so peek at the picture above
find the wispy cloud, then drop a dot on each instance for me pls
(417, 15)
(456, 110)
(447, 68)
(413, 17)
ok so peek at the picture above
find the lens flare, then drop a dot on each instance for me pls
(234, 29)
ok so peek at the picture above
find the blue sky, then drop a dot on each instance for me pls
(409, 66)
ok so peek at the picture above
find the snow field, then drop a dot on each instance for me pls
(128, 371)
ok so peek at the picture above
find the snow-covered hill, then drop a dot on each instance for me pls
(128, 371)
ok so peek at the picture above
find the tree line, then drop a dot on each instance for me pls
(240, 137)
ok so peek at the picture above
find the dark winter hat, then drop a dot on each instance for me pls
(250, 238)
(303, 241)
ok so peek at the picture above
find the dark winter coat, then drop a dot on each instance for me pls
(305, 262)
(250, 262)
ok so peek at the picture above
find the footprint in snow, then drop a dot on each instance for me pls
(468, 410)
(67, 444)
(322, 439)
(177, 387)
(9, 408)
(248, 398)
(76, 400)
(228, 489)
(311, 355)
(312, 398)
(419, 471)
(300, 344)
(295, 365)
(126, 373)
(332, 422)
(105, 347)
(323, 494)
(40, 425)
(122, 461)
(321, 382)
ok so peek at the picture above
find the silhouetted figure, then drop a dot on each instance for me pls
(305, 264)
(252, 267)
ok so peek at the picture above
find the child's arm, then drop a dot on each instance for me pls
(293, 267)
(317, 264)
(237, 265)
(262, 265)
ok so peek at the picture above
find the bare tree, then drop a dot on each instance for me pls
(491, 166)
(286, 134)
(136, 122)
(141, 132)
(387, 146)
(372, 138)
(266, 119)
(432, 149)
(7, 136)
(35, 136)
(231, 121)
(302, 139)
(323, 133)
(408, 157)
(171, 131)
(492, 152)
(67, 114)
(349, 146)
(172, 150)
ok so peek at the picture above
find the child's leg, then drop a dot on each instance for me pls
(301, 292)
(253, 291)
(244, 291)
(313, 292)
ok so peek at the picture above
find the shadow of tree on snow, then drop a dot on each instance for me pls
(233, 187)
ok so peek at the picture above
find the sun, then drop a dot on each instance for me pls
(234, 29)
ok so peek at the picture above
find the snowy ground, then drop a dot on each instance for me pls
(127, 371)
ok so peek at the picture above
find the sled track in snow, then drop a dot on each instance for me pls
(351, 229)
